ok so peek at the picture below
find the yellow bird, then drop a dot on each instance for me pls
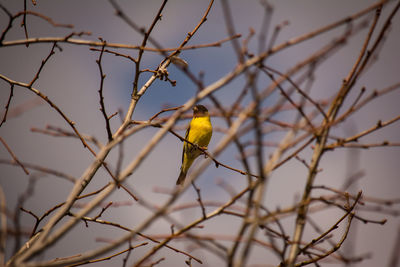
(199, 132)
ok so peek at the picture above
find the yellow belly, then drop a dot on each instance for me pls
(200, 131)
(200, 134)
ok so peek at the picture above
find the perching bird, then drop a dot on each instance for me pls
(199, 132)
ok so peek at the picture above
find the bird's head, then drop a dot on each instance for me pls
(200, 111)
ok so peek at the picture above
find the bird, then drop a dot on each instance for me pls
(199, 133)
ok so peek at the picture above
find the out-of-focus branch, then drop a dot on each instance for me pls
(41, 169)
(395, 257)
(108, 257)
(3, 226)
(90, 43)
(45, 98)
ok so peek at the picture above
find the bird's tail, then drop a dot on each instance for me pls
(181, 177)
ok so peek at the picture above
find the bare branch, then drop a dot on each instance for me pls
(13, 156)
(3, 226)
(7, 105)
(102, 107)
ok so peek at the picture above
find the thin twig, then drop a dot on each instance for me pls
(7, 105)
(105, 258)
(13, 155)
(354, 138)
(203, 209)
(90, 43)
(99, 221)
(102, 106)
(42, 65)
(162, 111)
(334, 226)
(23, 23)
(46, 98)
(335, 248)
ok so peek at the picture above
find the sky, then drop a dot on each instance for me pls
(71, 79)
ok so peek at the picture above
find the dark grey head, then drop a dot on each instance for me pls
(200, 111)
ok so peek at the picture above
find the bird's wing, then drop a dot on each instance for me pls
(185, 144)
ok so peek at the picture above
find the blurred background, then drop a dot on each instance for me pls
(71, 80)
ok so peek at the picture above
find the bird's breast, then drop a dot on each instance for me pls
(200, 131)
